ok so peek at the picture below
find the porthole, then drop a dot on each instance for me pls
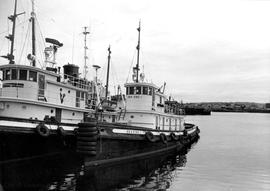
(131, 116)
(73, 113)
(24, 106)
(7, 105)
(52, 111)
(60, 89)
(69, 91)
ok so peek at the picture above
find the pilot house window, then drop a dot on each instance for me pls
(138, 90)
(7, 75)
(14, 74)
(23, 74)
(131, 90)
(33, 76)
(145, 90)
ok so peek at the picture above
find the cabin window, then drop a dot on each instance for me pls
(33, 76)
(7, 75)
(23, 75)
(131, 90)
(145, 90)
(138, 90)
(14, 74)
(82, 95)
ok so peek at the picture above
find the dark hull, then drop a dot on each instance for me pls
(110, 147)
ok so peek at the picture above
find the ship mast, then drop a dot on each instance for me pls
(33, 34)
(108, 71)
(138, 53)
(85, 33)
(11, 37)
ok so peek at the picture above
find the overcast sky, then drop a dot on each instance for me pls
(204, 50)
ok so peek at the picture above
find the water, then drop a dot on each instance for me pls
(233, 153)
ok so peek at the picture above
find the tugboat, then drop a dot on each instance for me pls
(146, 126)
(45, 113)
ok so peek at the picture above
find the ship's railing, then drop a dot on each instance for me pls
(77, 82)
(173, 110)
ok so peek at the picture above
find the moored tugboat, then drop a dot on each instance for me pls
(45, 113)
(147, 126)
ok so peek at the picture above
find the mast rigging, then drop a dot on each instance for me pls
(11, 37)
(138, 53)
(108, 72)
(85, 33)
(33, 15)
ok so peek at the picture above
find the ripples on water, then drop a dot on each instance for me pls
(233, 153)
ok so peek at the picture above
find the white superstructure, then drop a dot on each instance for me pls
(32, 93)
(146, 107)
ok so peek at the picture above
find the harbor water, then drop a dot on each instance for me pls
(233, 153)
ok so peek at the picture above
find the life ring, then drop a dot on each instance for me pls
(174, 137)
(149, 136)
(43, 130)
(163, 138)
(61, 131)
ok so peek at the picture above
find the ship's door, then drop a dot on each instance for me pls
(58, 114)
(41, 85)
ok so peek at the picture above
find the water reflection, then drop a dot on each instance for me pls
(152, 174)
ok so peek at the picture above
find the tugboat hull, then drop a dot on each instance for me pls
(110, 143)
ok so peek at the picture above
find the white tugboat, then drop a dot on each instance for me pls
(44, 112)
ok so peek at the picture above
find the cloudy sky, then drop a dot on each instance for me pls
(204, 50)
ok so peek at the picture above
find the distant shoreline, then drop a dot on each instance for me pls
(251, 111)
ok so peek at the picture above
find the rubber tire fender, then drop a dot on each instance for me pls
(42, 130)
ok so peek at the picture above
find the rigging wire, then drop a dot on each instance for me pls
(17, 25)
(25, 41)
(8, 34)
(40, 46)
(115, 78)
(41, 34)
(132, 62)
